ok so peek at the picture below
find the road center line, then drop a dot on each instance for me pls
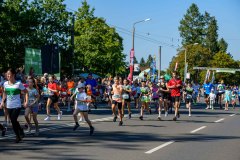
(232, 115)
(194, 131)
(159, 147)
(219, 120)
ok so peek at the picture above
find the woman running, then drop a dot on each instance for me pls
(82, 107)
(145, 92)
(163, 101)
(189, 97)
(12, 91)
(126, 97)
(32, 108)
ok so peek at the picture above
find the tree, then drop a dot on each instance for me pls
(222, 44)
(149, 60)
(142, 62)
(97, 46)
(223, 60)
(135, 61)
(192, 26)
(212, 35)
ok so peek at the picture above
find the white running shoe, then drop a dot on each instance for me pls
(60, 115)
(47, 118)
(166, 114)
(190, 115)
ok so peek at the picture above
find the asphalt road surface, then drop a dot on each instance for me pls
(213, 135)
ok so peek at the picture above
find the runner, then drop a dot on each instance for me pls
(136, 93)
(207, 87)
(117, 100)
(12, 91)
(126, 91)
(233, 98)
(53, 98)
(82, 107)
(221, 90)
(196, 96)
(164, 96)
(145, 93)
(70, 91)
(227, 98)
(32, 108)
(189, 97)
(2, 128)
(174, 85)
(212, 98)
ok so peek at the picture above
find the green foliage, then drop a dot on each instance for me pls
(135, 61)
(212, 35)
(142, 62)
(192, 26)
(97, 45)
(222, 44)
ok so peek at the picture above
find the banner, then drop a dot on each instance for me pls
(176, 65)
(136, 67)
(33, 60)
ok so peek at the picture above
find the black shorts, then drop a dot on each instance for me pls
(119, 104)
(188, 100)
(176, 99)
(165, 96)
(54, 98)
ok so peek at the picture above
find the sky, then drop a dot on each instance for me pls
(162, 29)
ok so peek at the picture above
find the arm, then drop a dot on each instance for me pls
(25, 91)
(3, 99)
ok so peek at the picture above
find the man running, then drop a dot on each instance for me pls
(117, 100)
(174, 85)
(207, 87)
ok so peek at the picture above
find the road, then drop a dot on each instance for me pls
(207, 134)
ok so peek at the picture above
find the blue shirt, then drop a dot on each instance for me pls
(208, 87)
(93, 84)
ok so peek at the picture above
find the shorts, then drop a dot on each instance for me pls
(165, 96)
(188, 100)
(221, 92)
(206, 95)
(54, 98)
(176, 99)
(127, 100)
(34, 108)
(119, 104)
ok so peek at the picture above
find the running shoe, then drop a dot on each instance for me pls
(18, 139)
(129, 115)
(29, 128)
(91, 130)
(47, 118)
(4, 131)
(60, 115)
(166, 114)
(150, 111)
(174, 118)
(189, 115)
(114, 119)
(159, 118)
(178, 115)
(76, 126)
(141, 117)
(120, 123)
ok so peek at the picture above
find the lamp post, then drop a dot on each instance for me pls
(185, 61)
(132, 50)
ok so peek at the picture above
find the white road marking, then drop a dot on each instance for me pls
(194, 131)
(159, 147)
(219, 120)
(232, 115)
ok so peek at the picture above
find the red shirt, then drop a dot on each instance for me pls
(175, 92)
(53, 86)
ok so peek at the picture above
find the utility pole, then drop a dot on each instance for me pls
(159, 62)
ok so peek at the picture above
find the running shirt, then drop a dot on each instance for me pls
(175, 92)
(208, 87)
(45, 92)
(53, 86)
(227, 95)
(221, 88)
(212, 96)
(196, 88)
(144, 92)
(32, 93)
(70, 86)
(189, 92)
(13, 94)
(82, 106)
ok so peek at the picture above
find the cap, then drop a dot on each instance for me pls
(45, 74)
(80, 85)
(161, 77)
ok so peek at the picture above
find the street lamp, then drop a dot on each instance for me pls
(185, 60)
(132, 50)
